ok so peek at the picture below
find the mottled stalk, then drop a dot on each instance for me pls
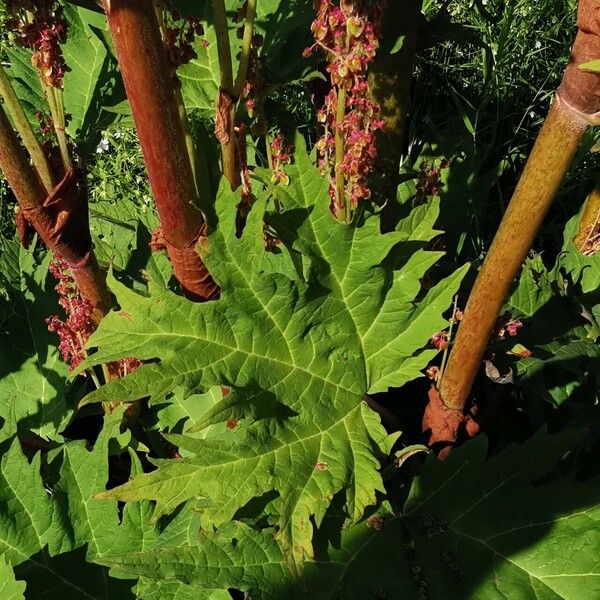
(548, 162)
(576, 106)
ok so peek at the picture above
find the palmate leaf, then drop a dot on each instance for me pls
(298, 356)
(32, 374)
(32, 535)
(514, 526)
(563, 346)
(52, 534)
(10, 588)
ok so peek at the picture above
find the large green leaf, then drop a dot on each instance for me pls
(43, 528)
(32, 374)
(298, 357)
(516, 526)
(505, 528)
(92, 79)
(31, 535)
(25, 81)
(563, 346)
(10, 588)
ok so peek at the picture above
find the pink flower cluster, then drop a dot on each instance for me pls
(42, 33)
(440, 340)
(505, 325)
(74, 332)
(281, 155)
(180, 34)
(349, 34)
(123, 367)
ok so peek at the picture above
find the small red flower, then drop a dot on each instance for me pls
(232, 423)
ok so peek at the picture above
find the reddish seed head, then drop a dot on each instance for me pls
(349, 35)
(439, 340)
(42, 34)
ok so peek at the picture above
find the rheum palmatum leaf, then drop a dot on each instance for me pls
(32, 375)
(518, 525)
(298, 355)
(10, 588)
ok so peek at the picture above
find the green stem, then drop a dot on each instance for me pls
(246, 47)
(189, 138)
(269, 151)
(343, 208)
(223, 48)
(183, 116)
(24, 129)
(447, 348)
(57, 110)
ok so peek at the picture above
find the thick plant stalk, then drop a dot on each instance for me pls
(577, 105)
(60, 218)
(147, 77)
(389, 86)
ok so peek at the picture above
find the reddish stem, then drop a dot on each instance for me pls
(148, 82)
(60, 218)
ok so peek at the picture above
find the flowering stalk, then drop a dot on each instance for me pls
(75, 330)
(24, 129)
(54, 97)
(225, 116)
(41, 28)
(246, 48)
(147, 77)
(576, 106)
(349, 35)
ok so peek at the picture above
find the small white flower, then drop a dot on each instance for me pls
(103, 146)
(117, 135)
(538, 44)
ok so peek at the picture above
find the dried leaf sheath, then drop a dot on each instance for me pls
(147, 79)
(60, 218)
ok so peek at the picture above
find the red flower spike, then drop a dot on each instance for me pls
(349, 35)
